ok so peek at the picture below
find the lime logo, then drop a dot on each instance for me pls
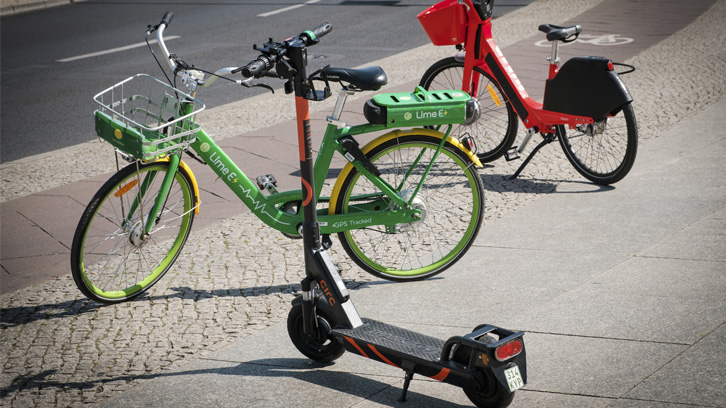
(204, 147)
(431, 115)
(118, 134)
(407, 116)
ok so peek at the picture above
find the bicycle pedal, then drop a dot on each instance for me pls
(267, 182)
(512, 154)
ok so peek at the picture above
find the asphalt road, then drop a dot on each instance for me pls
(53, 61)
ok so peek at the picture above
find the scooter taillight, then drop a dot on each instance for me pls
(508, 350)
(610, 66)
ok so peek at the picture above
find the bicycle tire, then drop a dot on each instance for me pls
(495, 131)
(452, 197)
(107, 266)
(604, 152)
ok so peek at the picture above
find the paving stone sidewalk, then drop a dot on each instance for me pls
(59, 349)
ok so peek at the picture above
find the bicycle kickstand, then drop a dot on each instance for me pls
(548, 138)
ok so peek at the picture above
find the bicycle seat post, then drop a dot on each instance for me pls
(338, 109)
(554, 59)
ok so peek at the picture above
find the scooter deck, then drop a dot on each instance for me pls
(378, 340)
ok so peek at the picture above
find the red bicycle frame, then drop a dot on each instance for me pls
(482, 51)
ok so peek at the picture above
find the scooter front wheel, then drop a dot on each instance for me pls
(320, 346)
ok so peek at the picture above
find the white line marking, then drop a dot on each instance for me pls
(282, 10)
(111, 51)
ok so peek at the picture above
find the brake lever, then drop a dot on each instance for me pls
(151, 28)
(247, 85)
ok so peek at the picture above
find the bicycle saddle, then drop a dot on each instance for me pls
(365, 79)
(560, 33)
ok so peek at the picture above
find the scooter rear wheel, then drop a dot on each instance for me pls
(494, 395)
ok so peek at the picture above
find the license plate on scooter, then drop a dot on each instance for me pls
(514, 378)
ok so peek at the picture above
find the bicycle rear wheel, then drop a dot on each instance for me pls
(603, 152)
(451, 200)
(496, 129)
(111, 260)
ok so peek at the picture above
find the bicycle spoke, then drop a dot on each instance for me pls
(444, 198)
(119, 260)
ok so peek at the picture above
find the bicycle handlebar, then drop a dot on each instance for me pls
(257, 67)
(167, 18)
(321, 30)
(272, 52)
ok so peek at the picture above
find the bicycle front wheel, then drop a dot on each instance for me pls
(496, 129)
(112, 260)
(451, 200)
(603, 152)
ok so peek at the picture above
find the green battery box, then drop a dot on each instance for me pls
(421, 108)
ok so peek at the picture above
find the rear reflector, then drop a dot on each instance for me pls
(508, 350)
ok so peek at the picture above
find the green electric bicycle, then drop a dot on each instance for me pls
(406, 206)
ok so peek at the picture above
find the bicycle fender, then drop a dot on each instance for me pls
(386, 137)
(585, 86)
(193, 179)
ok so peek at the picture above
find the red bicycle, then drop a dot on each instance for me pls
(586, 104)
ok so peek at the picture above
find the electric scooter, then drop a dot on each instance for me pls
(489, 363)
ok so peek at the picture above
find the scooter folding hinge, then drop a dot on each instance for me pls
(326, 242)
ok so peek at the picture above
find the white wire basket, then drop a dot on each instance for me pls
(142, 116)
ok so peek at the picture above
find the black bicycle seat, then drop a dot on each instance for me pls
(365, 79)
(555, 33)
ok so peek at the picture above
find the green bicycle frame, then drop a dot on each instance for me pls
(267, 207)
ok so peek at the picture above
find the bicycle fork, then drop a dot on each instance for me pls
(140, 230)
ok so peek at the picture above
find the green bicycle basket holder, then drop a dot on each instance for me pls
(140, 116)
(421, 108)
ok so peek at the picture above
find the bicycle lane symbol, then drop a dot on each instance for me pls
(606, 39)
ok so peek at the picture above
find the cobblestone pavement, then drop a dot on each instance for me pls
(236, 277)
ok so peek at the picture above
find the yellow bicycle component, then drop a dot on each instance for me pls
(383, 139)
(183, 165)
(494, 95)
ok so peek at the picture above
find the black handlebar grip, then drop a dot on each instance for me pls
(322, 29)
(255, 68)
(167, 18)
(311, 37)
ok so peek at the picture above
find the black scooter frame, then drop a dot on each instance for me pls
(324, 288)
